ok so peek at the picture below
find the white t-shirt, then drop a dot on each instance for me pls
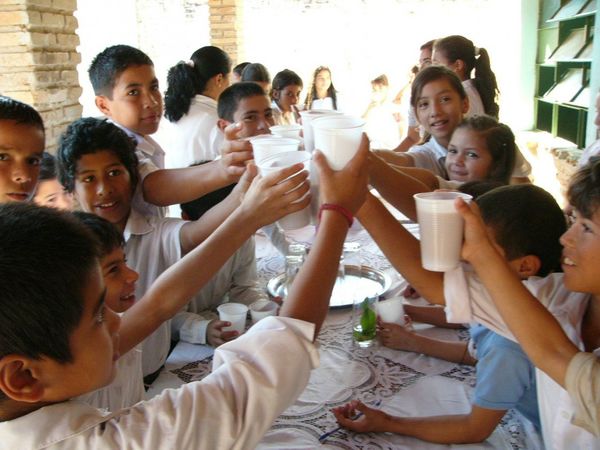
(322, 103)
(430, 156)
(475, 104)
(254, 379)
(592, 150)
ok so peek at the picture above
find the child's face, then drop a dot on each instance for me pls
(440, 109)
(323, 80)
(103, 187)
(94, 346)
(581, 254)
(424, 58)
(468, 158)
(21, 148)
(288, 96)
(52, 194)
(136, 102)
(255, 115)
(119, 280)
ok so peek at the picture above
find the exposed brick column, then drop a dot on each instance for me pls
(226, 27)
(38, 59)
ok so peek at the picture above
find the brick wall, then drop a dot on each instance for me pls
(38, 60)
(226, 27)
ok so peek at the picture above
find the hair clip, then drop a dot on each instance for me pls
(190, 63)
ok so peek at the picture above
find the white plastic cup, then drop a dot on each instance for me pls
(266, 146)
(307, 117)
(440, 228)
(391, 310)
(287, 131)
(277, 162)
(338, 137)
(236, 314)
(261, 309)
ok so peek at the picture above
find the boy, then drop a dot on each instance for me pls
(565, 347)
(127, 92)
(525, 222)
(69, 344)
(21, 148)
(98, 163)
(49, 192)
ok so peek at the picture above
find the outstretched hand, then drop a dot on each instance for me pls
(235, 153)
(369, 420)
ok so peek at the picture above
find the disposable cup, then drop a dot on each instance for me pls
(338, 137)
(266, 146)
(261, 309)
(440, 228)
(277, 162)
(391, 310)
(287, 131)
(307, 117)
(236, 314)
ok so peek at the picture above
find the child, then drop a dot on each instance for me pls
(70, 343)
(460, 55)
(257, 73)
(97, 162)
(21, 148)
(382, 128)
(236, 73)
(322, 94)
(285, 95)
(524, 222)
(191, 105)
(563, 347)
(127, 92)
(440, 101)
(481, 149)
(236, 282)
(49, 192)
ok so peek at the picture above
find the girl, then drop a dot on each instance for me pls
(461, 56)
(285, 95)
(322, 94)
(191, 104)
(257, 73)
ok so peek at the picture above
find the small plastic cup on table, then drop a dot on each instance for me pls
(364, 321)
(391, 310)
(277, 162)
(338, 137)
(265, 146)
(261, 309)
(440, 229)
(235, 313)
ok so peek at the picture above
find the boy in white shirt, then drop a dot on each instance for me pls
(68, 347)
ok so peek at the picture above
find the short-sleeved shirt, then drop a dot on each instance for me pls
(505, 375)
(431, 156)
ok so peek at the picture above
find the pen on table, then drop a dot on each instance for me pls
(335, 430)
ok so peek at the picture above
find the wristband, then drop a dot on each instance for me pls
(340, 209)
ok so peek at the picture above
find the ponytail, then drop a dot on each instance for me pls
(485, 82)
(185, 80)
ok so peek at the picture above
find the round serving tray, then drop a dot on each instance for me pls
(358, 282)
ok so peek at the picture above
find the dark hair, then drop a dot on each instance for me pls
(46, 258)
(584, 188)
(21, 113)
(381, 79)
(196, 208)
(434, 73)
(312, 94)
(526, 221)
(500, 142)
(427, 45)
(240, 68)
(458, 47)
(91, 135)
(256, 72)
(231, 97)
(107, 234)
(187, 79)
(112, 62)
(479, 187)
(284, 79)
(48, 169)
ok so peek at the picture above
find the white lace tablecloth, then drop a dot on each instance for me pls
(406, 384)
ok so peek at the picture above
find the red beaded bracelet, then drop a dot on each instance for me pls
(343, 211)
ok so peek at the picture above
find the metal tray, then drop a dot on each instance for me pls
(360, 282)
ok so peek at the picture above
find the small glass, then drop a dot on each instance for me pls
(293, 262)
(364, 321)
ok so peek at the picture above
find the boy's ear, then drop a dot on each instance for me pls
(465, 105)
(275, 93)
(529, 266)
(18, 381)
(222, 124)
(103, 104)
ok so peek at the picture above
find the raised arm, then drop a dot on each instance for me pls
(537, 331)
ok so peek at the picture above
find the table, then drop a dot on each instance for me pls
(407, 384)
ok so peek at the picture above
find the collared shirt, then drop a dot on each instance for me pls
(280, 117)
(431, 156)
(254, 378)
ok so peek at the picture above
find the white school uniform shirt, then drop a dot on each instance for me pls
(592, 150)
(152, 245)
(467, 300)
(254, 379)
(125, 390)
(475, 104)
(322, 103)
(236, 281)
(196, 136)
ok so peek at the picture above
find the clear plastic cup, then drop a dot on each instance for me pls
(338, 137)
(262, 308)
(266, 146)
(440, 228)
(307, 117)
(391, 310)
(235, 313)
